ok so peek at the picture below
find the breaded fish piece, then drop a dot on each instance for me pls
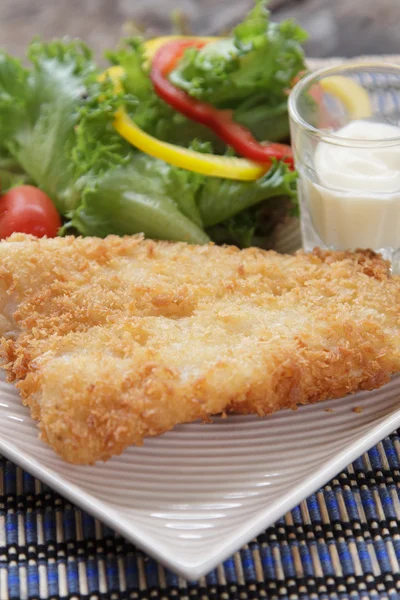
(114, 340)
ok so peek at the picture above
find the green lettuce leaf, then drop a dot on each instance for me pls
(56, 131)
(246, 214)
(13, 90)
(265, 120)
(258, 62)
(222, 199)
(136, 198)
(122, 190)
(151, 113)
(254, 226)
(11, 173)
(39, 110)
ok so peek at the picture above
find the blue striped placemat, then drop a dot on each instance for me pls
(343, 542)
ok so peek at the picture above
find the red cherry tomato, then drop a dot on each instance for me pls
(26, 209)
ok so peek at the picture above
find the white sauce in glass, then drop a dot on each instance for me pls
(356, 203)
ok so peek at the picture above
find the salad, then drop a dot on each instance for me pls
(181, 138)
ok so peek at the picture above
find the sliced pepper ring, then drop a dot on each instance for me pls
(354, 97)
(219, 121)
(207, 164)
(152, 46)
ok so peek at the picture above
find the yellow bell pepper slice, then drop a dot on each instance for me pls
(354, 97)
(115, 73)
(206, 164)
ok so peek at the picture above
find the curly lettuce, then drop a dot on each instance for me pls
(56, 132)
(39, 109)
(248, 72)
(150, 112)
(246, 214)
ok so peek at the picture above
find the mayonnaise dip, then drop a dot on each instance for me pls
(354, 199)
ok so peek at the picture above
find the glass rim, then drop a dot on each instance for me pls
(332, 137)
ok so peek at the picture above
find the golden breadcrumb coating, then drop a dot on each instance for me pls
(114, 340)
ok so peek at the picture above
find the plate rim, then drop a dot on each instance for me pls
(193, 570)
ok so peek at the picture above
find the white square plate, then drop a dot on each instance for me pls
(192, 497)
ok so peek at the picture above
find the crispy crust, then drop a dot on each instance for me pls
(114, 340)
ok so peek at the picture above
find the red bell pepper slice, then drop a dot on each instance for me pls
(220, 121)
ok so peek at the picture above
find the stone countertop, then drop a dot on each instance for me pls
(336, 27)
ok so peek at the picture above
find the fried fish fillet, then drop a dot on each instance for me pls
(114, 340)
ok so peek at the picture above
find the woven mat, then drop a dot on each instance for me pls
(343, 542)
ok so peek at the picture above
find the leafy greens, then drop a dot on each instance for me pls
(249, 72)
(56, 132)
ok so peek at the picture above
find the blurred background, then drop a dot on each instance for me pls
(336, 27)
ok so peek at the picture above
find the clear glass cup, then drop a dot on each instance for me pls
(345, 130)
